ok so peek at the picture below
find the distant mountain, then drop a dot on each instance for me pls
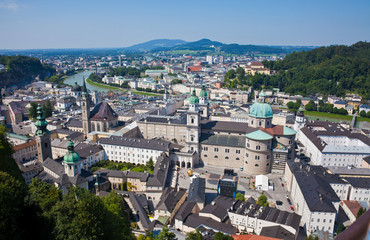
(157, 43)
(206, 45)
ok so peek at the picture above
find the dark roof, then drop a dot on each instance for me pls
(16, 107)
(180, 119)
(140, 211)
(316, 191)
(185, 210)
(53, 166)
(196, 191)
(277, 232)
(136, 143)
(359, 182)
(137, 175)
(170, 198)
(222, 140)
(196, 221)
(220, 206)
(102, 111)
(220, 126)
(74, 123)
(367, 159)
(110, 173)
(86, 150)
(158, 179)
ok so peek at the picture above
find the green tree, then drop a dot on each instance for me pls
(33, 110)
(363, 113)
(340, 228)
(368, 114)
(117, 223)
(221, 236)
(166, 234)
(262, 200)
(150, 164)
(80, 215)
(360, 212)
(43, 195)
(311, 106)
(12, 193)
(7, 163)
(240, 196)
(47, 109)
(195, 235)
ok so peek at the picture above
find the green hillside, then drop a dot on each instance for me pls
(19, 69)
(326, 70)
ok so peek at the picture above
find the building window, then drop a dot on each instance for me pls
(258, 147)
(318, 220)
(247, 155)
(256, 165)
(226, 157)
(246, 162)
(205, 148)
(257, 157)
(216, 156)
(237, 151)
(216, 149)
(237, 159)
(248, 145)
(227, 150)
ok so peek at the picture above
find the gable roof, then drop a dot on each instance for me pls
(103, 111)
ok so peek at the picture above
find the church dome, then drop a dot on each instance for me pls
(260, 110)
(194, 99)
(76, 88)
(203, 93)
(71, 156)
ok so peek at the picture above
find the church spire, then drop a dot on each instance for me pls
(84, 88)
(41, 123)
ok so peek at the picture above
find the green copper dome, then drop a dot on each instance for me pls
(41, 123)
(71, 156)
(259, 135)
(260, 110)
(203, 93)
(194, 99)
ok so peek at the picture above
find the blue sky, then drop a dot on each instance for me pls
(28, 24)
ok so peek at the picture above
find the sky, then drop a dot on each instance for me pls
(43, 24)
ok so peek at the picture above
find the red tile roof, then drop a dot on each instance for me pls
(274, 130)
(194, 68)
(24, 145)
(354, 206)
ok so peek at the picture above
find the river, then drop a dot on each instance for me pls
(78, 77)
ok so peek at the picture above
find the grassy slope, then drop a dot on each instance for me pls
(337, 116)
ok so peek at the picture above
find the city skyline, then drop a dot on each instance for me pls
(84, 24)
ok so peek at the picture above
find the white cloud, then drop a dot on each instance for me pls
(9, 4)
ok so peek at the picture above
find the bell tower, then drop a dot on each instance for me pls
(85, 108)
(72, 161)
(203, 102)
(42, 137)
(300, 121)
(192, 124)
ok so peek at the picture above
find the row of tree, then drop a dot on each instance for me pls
(47, 109)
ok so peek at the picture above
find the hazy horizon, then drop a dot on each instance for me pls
(36, 24)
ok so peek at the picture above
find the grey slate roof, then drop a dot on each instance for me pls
(170, 198)
(316, 191)
(136, 143)
(185, 210)
(277, 232)
(137, 175)
(103, 111)
(110, 173)
(196, 191)
(222, 140)
(158, 179)
(359, 182)
(220, 126)
(196, 221)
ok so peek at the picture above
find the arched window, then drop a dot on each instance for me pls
(256, 165)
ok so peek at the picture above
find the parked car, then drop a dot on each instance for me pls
(290, 203)
(279, 202)
(291, 208)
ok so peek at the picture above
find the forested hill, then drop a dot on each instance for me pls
(19, 69)
(327, 70)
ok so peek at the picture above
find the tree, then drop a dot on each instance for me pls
(33, 110)
(221, 236)
(43, 195)
(240, 196)
(7, 163)
(368, 114)
(47, 109)
(194, 235)
(360, 212)
(340, 228)
(311, 106)
(310, 237)
(166, 234)
(363, 113)
(150, 164)
(262, 200)
(12, 193)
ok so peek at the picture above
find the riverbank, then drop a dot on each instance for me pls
(102, 85)
(336, 116)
